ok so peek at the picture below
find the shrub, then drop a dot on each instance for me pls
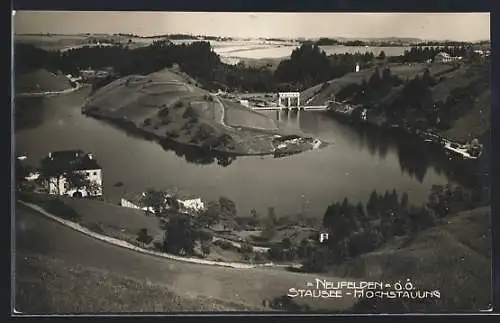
(158, 245)
(163, 112)
(189, 113)
(226, 245)
(147, 122)
(166, 121)
(172, 134)
(144, 237)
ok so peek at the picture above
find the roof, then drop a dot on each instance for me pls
(70, 160)
(137, 198)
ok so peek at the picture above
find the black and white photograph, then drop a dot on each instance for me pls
(226, 162)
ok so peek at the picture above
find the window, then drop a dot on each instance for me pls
(94, 173)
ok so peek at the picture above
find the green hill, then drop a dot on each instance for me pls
(461, 95)
(41, 81)
(169, 105)
(454, 258)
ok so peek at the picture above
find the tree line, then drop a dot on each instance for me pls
(307, 66)
(420, 54)
(411, 100)
(355, 229)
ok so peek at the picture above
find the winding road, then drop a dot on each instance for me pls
(37, 235)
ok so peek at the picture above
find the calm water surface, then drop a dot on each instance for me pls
(356, 162)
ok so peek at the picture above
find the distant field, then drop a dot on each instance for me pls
(268, 63)
(59, 42)
(50, 285)
(238, 116)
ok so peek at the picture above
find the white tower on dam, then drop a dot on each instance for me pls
(289, 96)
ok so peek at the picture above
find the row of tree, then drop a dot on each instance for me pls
(411, 100)
(308, 65)
(355, 229)
(420, 54)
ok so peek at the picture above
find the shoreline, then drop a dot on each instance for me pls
(171, 143)
(426, 136)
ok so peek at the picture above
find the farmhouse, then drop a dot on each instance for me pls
(446, 58)
(66, 164)
(187, 205)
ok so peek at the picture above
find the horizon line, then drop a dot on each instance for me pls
(252, 38)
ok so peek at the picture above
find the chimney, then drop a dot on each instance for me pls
(90, 156)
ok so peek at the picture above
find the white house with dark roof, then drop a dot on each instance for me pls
(446, 58)
(73, 161)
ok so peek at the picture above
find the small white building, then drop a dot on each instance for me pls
(446, 58)
(67, 162)
(323, 237)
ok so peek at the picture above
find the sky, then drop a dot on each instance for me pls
(428, 26)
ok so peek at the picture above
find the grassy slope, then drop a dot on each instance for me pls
(182, 278)
(454, 258)
(162, 99)
(401, 70)
(41, 81)
(237, 115)
(467, 127)
(475, 123)
(121, 222)
(50, 285)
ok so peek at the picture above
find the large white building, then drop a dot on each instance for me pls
(65, 163)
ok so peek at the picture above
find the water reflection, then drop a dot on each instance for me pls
(415, 157)
(198, 156)
(358, 160)
(192, 155)
(28, 114)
